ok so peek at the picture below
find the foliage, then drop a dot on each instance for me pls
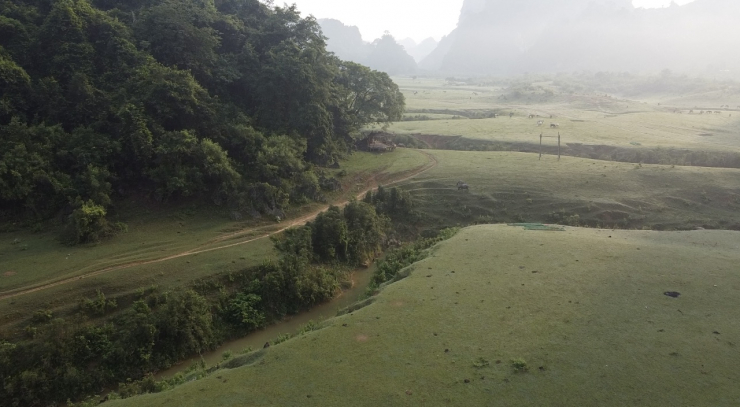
(232, 101)
(396, 203)
(403, 257)
(71, 358)
(519, 365)
(98, 306)
(481, 362)
(87, 223)
(244, 309)
(353, 235)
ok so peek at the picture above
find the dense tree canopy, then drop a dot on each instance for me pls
(233, 100)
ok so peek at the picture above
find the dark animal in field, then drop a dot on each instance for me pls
(267, 345)
(531, 116)
(462, 185)
(511, 114)
(554, 125)
(540, 122)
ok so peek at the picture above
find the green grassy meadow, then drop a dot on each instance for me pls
(518, 187)
(583, 118)
(581, 312)
(165, 245)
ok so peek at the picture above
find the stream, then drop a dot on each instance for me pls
(289, 325)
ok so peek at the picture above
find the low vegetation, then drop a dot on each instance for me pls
(67, 358)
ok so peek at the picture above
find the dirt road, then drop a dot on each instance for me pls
(200, 249)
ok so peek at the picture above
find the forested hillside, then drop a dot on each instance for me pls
(233, 101)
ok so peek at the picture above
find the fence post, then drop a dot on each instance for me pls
(558, 146)
(540, 146)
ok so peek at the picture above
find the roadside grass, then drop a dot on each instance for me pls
(30, 259)
(500, 315)
(517, 187)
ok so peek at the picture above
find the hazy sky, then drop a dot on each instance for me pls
(418, 19)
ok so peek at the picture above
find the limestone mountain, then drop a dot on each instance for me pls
(421, 50)
(384, 54)
(510, 36)
(345, 41)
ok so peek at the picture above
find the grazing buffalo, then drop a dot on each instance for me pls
(462, 185)
(540, 123)
(554, 125)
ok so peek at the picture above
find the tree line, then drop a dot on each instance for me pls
(233, 101)
(110, 341)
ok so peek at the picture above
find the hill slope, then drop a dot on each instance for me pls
(582, 312)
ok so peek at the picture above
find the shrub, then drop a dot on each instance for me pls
(245, 310)
(98, 306)
(481, 363)
(41, 316)
(86, 224)
(519, 365)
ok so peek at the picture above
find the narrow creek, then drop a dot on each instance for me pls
(290, 325)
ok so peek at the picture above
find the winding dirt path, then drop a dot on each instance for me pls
(373, 184)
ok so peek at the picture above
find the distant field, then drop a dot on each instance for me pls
(507, 187)
(201, 235)
(508, 317)
(589, 119)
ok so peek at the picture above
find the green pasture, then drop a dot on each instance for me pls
(599, 119)
(648, 129)
(438, 94)
(518, 187)
(502, 316)
(208, 240)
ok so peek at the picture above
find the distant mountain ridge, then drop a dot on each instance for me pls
(511, 36)
(421, 50)
(385, 54)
